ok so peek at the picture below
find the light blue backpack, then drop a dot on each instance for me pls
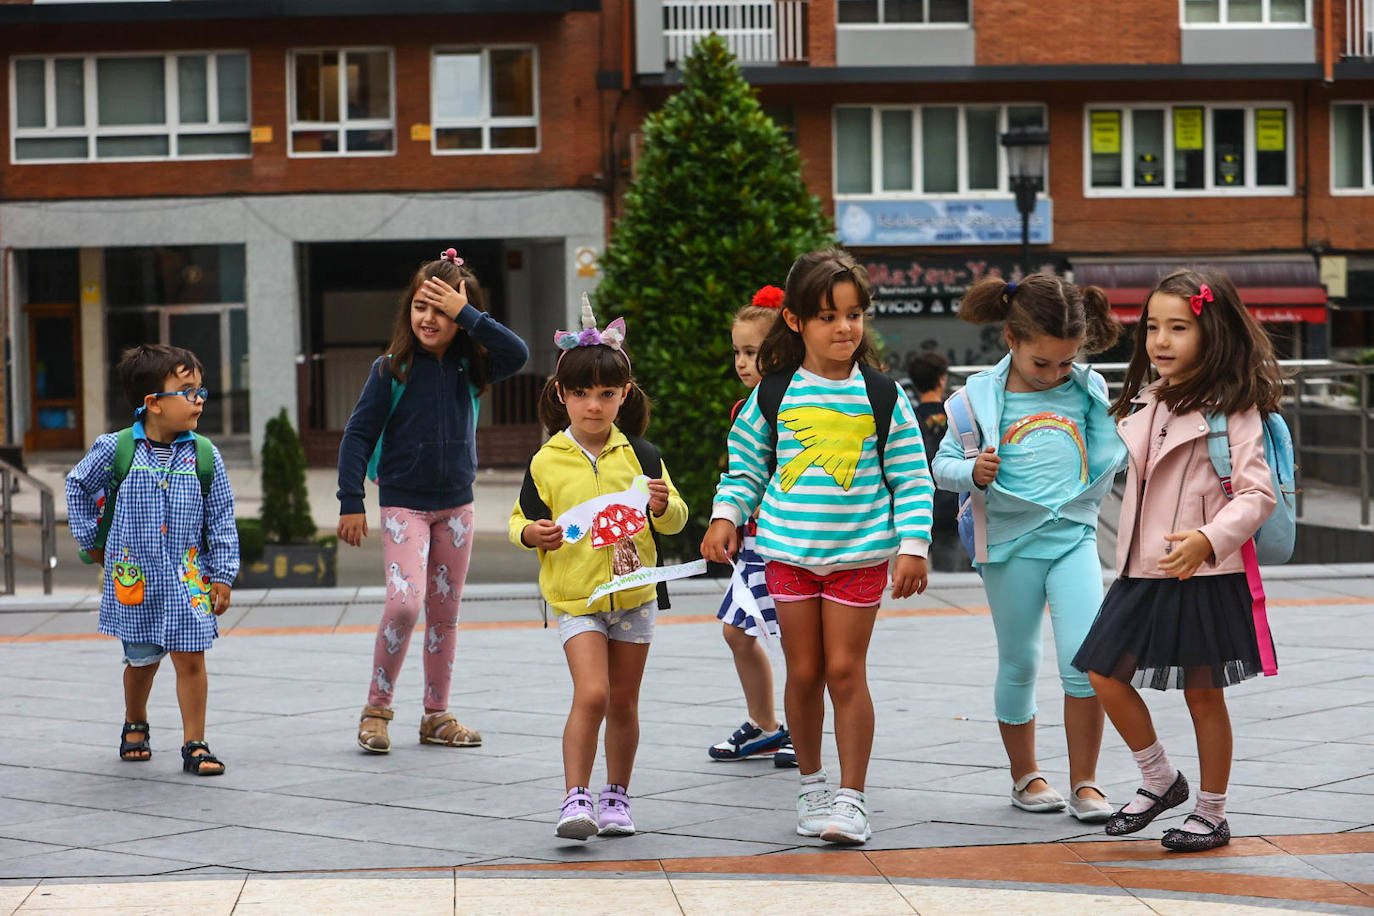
(1275, 538)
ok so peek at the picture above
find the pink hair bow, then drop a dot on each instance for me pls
(1204, 294)
(451, 255)
(613, 335)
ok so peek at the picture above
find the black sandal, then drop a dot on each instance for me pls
(127, 747)
(192, 762)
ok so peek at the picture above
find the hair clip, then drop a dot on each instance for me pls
(770, 297)
(451, 255)
(1203, 294)
(612, 336)
(1010, 290)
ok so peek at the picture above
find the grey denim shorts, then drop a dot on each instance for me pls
(634, 624)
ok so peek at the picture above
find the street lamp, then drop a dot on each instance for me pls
(1026, 148)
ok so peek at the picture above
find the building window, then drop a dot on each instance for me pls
(1351, 167)
(1246, 12)
(1155, 150)
(185, 105)
(341, 102)
(926, 150)
(485, 101)
(905, 12)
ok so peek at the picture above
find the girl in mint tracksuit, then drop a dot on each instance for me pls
(1049, 453)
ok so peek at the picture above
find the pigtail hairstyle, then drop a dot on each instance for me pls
(1236, 367)
(811, 287)
(403, 342)
(1043, 304)
(595, 366)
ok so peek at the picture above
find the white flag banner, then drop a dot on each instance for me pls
(648, 575)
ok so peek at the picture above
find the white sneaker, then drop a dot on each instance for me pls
(848, 822)
(813, 808)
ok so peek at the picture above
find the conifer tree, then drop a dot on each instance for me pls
(286, 517)
(718, 209)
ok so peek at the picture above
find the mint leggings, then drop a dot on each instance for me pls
(1018, 590)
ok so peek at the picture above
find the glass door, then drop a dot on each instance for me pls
(54, 377)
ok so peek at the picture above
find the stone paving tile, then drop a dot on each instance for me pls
(97, 828)
(210, 896)
(87, 863)
(20, 623)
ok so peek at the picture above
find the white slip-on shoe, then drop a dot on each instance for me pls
(1091, 809)
(1036, 802)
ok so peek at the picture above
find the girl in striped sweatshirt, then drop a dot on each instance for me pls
(837, 471)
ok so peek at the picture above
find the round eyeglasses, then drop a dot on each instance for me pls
(192, 395)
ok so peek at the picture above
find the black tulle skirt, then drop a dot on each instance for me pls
(1167, 633)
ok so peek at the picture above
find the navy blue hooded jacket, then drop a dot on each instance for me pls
(429, 456)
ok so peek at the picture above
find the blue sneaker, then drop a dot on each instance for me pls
(785, 756)
(750, 740)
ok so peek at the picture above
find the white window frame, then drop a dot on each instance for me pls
(883, 24)
(485, 122)
(345, 123)
(1001, 192)
(91, 131)
(1366, 168)
(1249, 189)
(1264, 23)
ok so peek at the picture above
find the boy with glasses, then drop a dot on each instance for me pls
(152, 504)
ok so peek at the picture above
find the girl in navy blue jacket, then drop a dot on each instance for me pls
(418, 414)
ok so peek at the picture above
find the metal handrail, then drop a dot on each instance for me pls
(47, 521)
(1298, 372)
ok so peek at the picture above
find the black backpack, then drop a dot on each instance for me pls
(650, 462)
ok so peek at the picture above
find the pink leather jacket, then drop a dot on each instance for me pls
(1183, 492)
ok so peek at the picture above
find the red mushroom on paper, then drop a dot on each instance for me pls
(615, 526)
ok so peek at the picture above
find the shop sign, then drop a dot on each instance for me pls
(940, 222)
(911, 287)
(1188, 128)
(1270, 126)
(1106, 132)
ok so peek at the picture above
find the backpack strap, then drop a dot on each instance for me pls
(398, 388)
(770, 393)
(959, 414)
(651, 463)
(531, 505)
(119, 469)
(1219, 450)
(882, 398)
(205, 465)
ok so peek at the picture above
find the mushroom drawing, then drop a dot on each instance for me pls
(615, 526)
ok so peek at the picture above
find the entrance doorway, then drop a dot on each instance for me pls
(54, 333)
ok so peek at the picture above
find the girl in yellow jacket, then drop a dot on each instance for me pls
(591, 407)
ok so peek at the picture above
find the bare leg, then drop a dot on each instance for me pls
(1019, 740)
(755, 676)
(193, 690)
(587, 662)
(847, 631)
(1212, 723)
(1128, 712)
(138, 684)
(626, 668)
(1083, 728)
(804, 689)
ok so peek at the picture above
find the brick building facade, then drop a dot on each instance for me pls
(257, 178)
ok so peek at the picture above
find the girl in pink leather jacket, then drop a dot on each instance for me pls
(1181, 614)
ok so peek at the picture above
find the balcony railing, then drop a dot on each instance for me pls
(757, 31)
(1359, 28)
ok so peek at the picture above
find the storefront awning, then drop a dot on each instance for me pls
(1277, 291)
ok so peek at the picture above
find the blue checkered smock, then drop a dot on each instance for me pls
(157, 572)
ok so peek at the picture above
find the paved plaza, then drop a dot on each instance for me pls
(304, 821)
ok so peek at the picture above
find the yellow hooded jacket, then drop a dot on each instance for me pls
(565, 477)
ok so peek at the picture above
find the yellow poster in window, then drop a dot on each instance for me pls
(1188, 128)
(1270, 128)
(1106, 132)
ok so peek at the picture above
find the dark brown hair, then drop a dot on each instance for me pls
(144, 369)
(926, 369)
(596, 366)
(403, 342)
(1044, 304)
(811, 288)
(1236, 366)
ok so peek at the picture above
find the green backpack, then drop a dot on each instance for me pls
(119, 469)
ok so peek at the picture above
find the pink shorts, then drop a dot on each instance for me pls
(861, 587)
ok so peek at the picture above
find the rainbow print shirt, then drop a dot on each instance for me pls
(1044, 454)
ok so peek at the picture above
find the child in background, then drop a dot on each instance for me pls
(445, 351)
(839, 492)
(1182, 614)
(1051, 453)
(929, 374)
(170, 548)
(761, 733)
(595, 413)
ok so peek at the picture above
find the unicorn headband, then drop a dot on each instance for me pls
(613, 336)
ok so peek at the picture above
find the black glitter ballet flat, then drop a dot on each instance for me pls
(1121, 823)
(1181, 840)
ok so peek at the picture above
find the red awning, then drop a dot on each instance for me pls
(1277, 289)
(1274, 304)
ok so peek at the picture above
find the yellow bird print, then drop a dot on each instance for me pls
(831, 440)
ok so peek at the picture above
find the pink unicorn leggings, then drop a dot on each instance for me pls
(426, 558)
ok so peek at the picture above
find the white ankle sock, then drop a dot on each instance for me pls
(1209, 805)
(1157, 774)
(814, 779)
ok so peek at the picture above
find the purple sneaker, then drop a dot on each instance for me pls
(613, 812)
(575, 821)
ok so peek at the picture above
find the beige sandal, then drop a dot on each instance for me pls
(372, 736)
(443, 728)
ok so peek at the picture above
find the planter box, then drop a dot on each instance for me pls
(291, 566)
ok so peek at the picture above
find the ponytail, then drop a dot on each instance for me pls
(986, 302)
(1103, 329)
